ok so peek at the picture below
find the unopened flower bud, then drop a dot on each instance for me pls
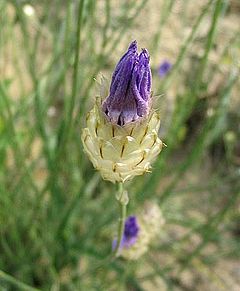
(121, 137)
(129, 95)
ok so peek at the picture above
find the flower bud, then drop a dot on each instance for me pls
(129, 95)
(121, 136)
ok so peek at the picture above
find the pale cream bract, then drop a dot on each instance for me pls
(121, 152)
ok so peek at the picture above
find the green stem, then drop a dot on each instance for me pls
(76, 66)
(14, 282)
(122, 198)
(67, 123)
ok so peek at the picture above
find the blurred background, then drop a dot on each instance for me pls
(57, 216)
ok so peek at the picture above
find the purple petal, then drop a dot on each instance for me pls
(132, 48)
(130, 87)
(141, 83)
(130, 235)
(131, 227)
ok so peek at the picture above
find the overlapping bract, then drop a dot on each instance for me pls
(120, 153)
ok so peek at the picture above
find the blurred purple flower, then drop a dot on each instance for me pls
(130, 88)
(131, 230)
(130, 234)
(164, 68)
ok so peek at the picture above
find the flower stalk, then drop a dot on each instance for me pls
(122, 197)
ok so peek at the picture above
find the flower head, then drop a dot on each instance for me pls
(130, 88)
(121, 134)
(164, 68)
(140, 231)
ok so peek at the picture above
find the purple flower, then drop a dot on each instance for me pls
(130, 88)
(164, 68)
(131, 230)
(130, 234)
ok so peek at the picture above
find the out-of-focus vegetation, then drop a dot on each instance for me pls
(57, 217)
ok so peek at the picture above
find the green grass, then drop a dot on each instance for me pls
(57, 217)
